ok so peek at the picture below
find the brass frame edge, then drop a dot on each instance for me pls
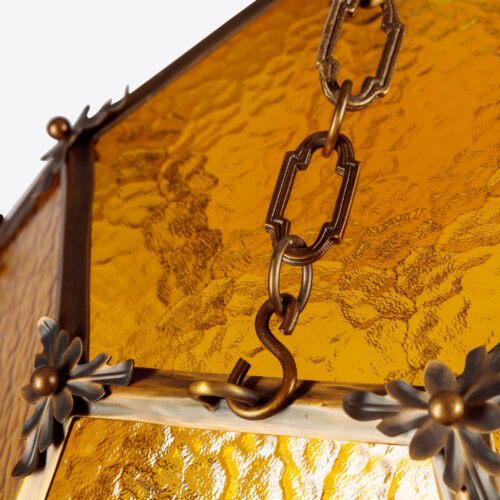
(161, 397)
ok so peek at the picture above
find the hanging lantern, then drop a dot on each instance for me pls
(179, 350)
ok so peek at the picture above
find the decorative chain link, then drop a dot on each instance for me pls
(292, 249)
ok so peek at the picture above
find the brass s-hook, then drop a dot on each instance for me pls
(279, 351)
(243, 401)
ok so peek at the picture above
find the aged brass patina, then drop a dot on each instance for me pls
(446, 407)
(275, 296)
(282, 397)
(210, 392)
(59, 128)
(45, 380)
(337, 118)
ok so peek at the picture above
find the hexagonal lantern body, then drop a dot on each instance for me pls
(144, 237)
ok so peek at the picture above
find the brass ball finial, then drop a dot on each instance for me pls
(59, 128)
(446, 407)
(45, 380)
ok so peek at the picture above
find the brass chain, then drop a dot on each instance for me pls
(292, 249)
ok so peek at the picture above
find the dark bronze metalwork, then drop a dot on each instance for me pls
(57, 378)
(285, 305)
(284, 394)
(274, 275)
(328, 67)
(331, 232)
(337, 118)
(73, 297)
(453, 416)
(292, 249)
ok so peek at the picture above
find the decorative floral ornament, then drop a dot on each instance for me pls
(450, 415)
(59, 128)
(56, 379)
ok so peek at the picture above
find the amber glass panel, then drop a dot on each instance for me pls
(28, 273)
(111, 459)
(179, 253)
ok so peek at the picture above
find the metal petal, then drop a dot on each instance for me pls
(487, 391)
(479, 452)
(363, 405)
(62, 342)
(71, 356)
(33, 421)
(438, 377)
(482, 417)
(479, 485)
(89, 391)
(63, 404)
(405, 421)
(119, 374)
(475, 363)
(29, 458)
(428, 440)
(48, 329)
(41, 359)
(494, 359)
(455, 469)
(406, 394)
(88, 369)
(46, 427)
(29, 395)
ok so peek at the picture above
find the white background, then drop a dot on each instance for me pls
(58, 56)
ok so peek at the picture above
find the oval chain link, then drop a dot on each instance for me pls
(337, 118)
(328, 67)
(332, 231)
(275, 296)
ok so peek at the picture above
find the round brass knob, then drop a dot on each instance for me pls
(45, 380)
(59, 128)
(446, 407)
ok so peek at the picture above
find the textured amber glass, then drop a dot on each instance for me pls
(179, 253)
(28, 273)
(111, 459)
(180, 257)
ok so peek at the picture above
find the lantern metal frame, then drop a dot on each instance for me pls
(158, 396)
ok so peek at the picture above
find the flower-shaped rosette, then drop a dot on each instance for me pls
(56, 379)
(83, 124)
(452, 414)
